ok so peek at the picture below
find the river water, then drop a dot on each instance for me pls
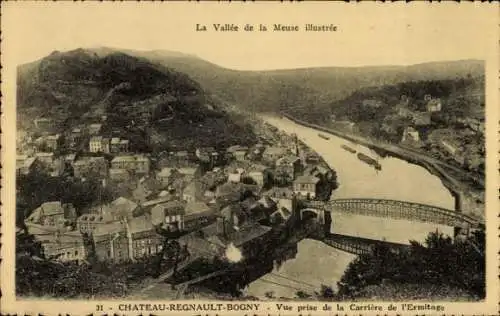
(315, 263)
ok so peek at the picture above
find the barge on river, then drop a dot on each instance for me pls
(324, 136)
(349, 149)
(370, 161)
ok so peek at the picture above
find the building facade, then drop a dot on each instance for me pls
(306, 186)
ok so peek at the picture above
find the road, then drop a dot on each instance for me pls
(405, 153)
(169, 273)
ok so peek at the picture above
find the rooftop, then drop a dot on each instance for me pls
(117, 171)
(123, 205)
(275, 150)
(165, 172)
(44, 154)
(290, 159)
(160, 200)
(280, 192)
(102, 230)
(248, 233)
(53, 137)
(187, 170)
(306, 180)
(190, 188)
(126, 158)
(140, 224)
(236, 148)
(196, 207)
(52, 208)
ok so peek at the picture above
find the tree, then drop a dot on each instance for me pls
(440, 260)
(282, 177)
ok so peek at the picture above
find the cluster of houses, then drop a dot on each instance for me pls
(235, 196)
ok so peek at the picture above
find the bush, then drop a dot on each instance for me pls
(458, 264)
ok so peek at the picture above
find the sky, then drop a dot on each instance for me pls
(368, 33)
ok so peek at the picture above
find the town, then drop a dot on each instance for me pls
(178, 205)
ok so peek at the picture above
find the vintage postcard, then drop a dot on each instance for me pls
(313, 158)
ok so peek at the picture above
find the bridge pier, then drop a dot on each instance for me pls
(327, 222)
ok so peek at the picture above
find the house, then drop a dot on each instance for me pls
(281, 216)
(123, 208)
(434, 105)
(318, 171)
(123, 146)
(114, 145)
(142, 164)
(197, 215)
(91, 166)
(144, 240)
(277, 193)
(258, 210)
(74, 137)
(238, 152)
(306, 186)
(64, 247)
(287, 168)
(120, 175)
(164, 175)
(405, 112)
(45, 158)
(312, 158)
(255, 152)
(53, 214)
(411, 135)
(25, 166)
(53, 142)
(257, 176)
(232, 218)
(235, 230)
(170, 214)
(94, 129)
(234, 176)
(111, 242)
(95, 144)
(205, 154)
(44, 123)
(233, 192)
(421, 118)
(189, 173)
(56, 169)
(181, 156)
(87, 223)
(106, 148)
(209, 194)
(116, 212)
(138, 164)
(273, 153)
(189, 192)
(118, 145)
(20, 159)
(146, 187)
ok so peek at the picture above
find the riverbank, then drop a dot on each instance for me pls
(465, 200)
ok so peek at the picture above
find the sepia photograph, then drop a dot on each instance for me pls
(230, 160)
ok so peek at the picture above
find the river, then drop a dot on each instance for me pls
(315, 263)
